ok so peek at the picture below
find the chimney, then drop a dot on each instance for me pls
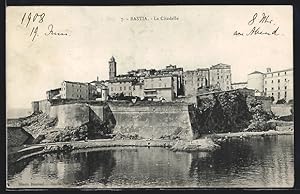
(269, 70)
(97, 78)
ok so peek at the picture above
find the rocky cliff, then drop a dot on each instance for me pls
(229, 111)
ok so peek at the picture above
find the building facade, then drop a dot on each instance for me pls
(121, 86)
(74, 90)
(159, 87)
(256, 82)
(138, 90)
(279, 84)
(98, 91)
(220, 77)
(193, 80)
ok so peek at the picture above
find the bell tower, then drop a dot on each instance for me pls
(112, 68)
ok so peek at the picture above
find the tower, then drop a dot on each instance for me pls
(112, 68)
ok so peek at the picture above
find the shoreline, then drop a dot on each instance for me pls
(205, 144)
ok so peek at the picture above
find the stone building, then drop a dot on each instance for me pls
(98, 90)
(138, 90)
(74, 90)
(220, 77)
(54, 93)
(256, 82)
(195, 79)
(159, 87)
(276, 84)
(279, 84)
(177, 73)
(112, 68)
(121, 86)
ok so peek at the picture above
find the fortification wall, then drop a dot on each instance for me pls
(72, 115)
(41, 105)
(147, 120)
(99, 111)
(153, 121)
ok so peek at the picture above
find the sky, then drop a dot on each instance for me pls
(201, 37)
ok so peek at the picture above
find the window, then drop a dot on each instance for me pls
(285, 79)
(278, 80)
(112, 89)
(133, 87)
(218, 77)
(227, 77)
(272, 94)
(278, 87)
(272, 88)
(285, 87)
(265, 89)
(266, 82)
(284, 73)
(140, 86)
(278, 95)
(272, 74)
(285, 94)
(120, 88)
(272, 81)
(278, 74)
(129, 87)
(124, 87)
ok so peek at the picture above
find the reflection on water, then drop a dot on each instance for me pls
(256, 162)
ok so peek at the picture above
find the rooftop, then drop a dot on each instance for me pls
(255, 72)
(158, 76)
(290, 69)
(220, 66)
(72, 82)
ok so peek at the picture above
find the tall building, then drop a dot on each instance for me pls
(74, 90)
(159, 87)
(279, 84)
(112, 68)
(193, 80)
(276, 84)
(220, 77)
(177, 73)
(256, 82)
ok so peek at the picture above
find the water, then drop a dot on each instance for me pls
(256, 162)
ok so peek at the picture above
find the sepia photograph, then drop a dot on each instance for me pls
(177, 96)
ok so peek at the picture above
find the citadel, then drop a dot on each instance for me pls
(172, 83)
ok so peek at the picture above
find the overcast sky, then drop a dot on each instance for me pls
(202, 36)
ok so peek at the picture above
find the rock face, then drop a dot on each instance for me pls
(232, 111)
(260, 117)
(223, 112)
